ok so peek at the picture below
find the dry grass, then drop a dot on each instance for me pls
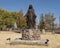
(53, 43)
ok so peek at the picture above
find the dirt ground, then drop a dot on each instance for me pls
(54, 40)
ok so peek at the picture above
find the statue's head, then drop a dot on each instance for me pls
(30, 7)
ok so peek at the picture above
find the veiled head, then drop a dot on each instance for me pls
(30, 7)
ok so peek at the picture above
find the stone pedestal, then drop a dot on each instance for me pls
(31, 34)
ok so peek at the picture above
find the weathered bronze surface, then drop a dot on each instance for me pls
(30, 17)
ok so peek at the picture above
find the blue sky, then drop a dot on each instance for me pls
(40, 6)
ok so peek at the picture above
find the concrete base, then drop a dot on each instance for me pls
(32, 42)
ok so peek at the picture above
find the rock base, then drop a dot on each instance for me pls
(31, 34)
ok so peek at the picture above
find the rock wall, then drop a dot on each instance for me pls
(31, 34)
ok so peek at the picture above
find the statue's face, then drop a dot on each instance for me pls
(30, 7)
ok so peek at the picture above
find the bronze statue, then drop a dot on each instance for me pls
(30, 17)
